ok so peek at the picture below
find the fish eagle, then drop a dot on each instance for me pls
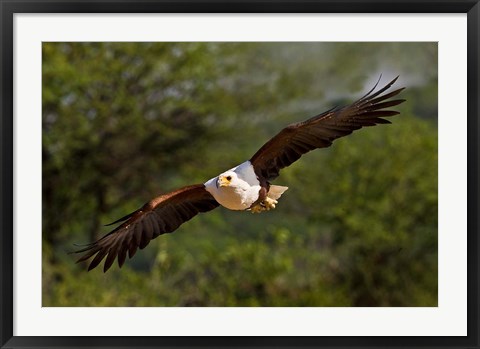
(245, 187)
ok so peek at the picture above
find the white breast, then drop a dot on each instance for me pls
(242, 193)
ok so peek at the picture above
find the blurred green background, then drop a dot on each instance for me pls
(124, 122)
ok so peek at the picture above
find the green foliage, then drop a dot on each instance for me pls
(382, 213)
(123, 122)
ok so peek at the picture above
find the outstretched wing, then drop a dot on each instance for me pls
(161, 215)
(321, 130)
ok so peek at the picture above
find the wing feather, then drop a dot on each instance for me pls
(122, 253)
(161, 215)
(321, 130)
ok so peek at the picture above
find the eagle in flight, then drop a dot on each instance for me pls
(245, 187)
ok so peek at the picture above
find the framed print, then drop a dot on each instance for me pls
(171, 121)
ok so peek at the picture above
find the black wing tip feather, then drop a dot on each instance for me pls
(374, 87)
(124, 218)
(99, 253)
(391, 81)
(117, 244)
(370, 95)
(387, 85)
(83, 247)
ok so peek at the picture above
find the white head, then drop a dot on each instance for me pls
(241, 177)
(236, 189)
(227, 179)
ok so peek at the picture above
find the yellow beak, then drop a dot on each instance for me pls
(223, 181)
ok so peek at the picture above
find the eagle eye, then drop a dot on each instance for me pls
(229, 178)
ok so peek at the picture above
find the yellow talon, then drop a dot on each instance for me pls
(270, 203)
(267, 205)
(257, 209)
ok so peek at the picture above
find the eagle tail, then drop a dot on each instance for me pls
(276, 191)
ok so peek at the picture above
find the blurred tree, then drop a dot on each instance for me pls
(108, 110)
(123, 122)
(379, 199)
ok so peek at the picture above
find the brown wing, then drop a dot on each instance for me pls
(161, 215)
(321, 130)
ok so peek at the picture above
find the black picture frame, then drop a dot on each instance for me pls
(9, 7)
